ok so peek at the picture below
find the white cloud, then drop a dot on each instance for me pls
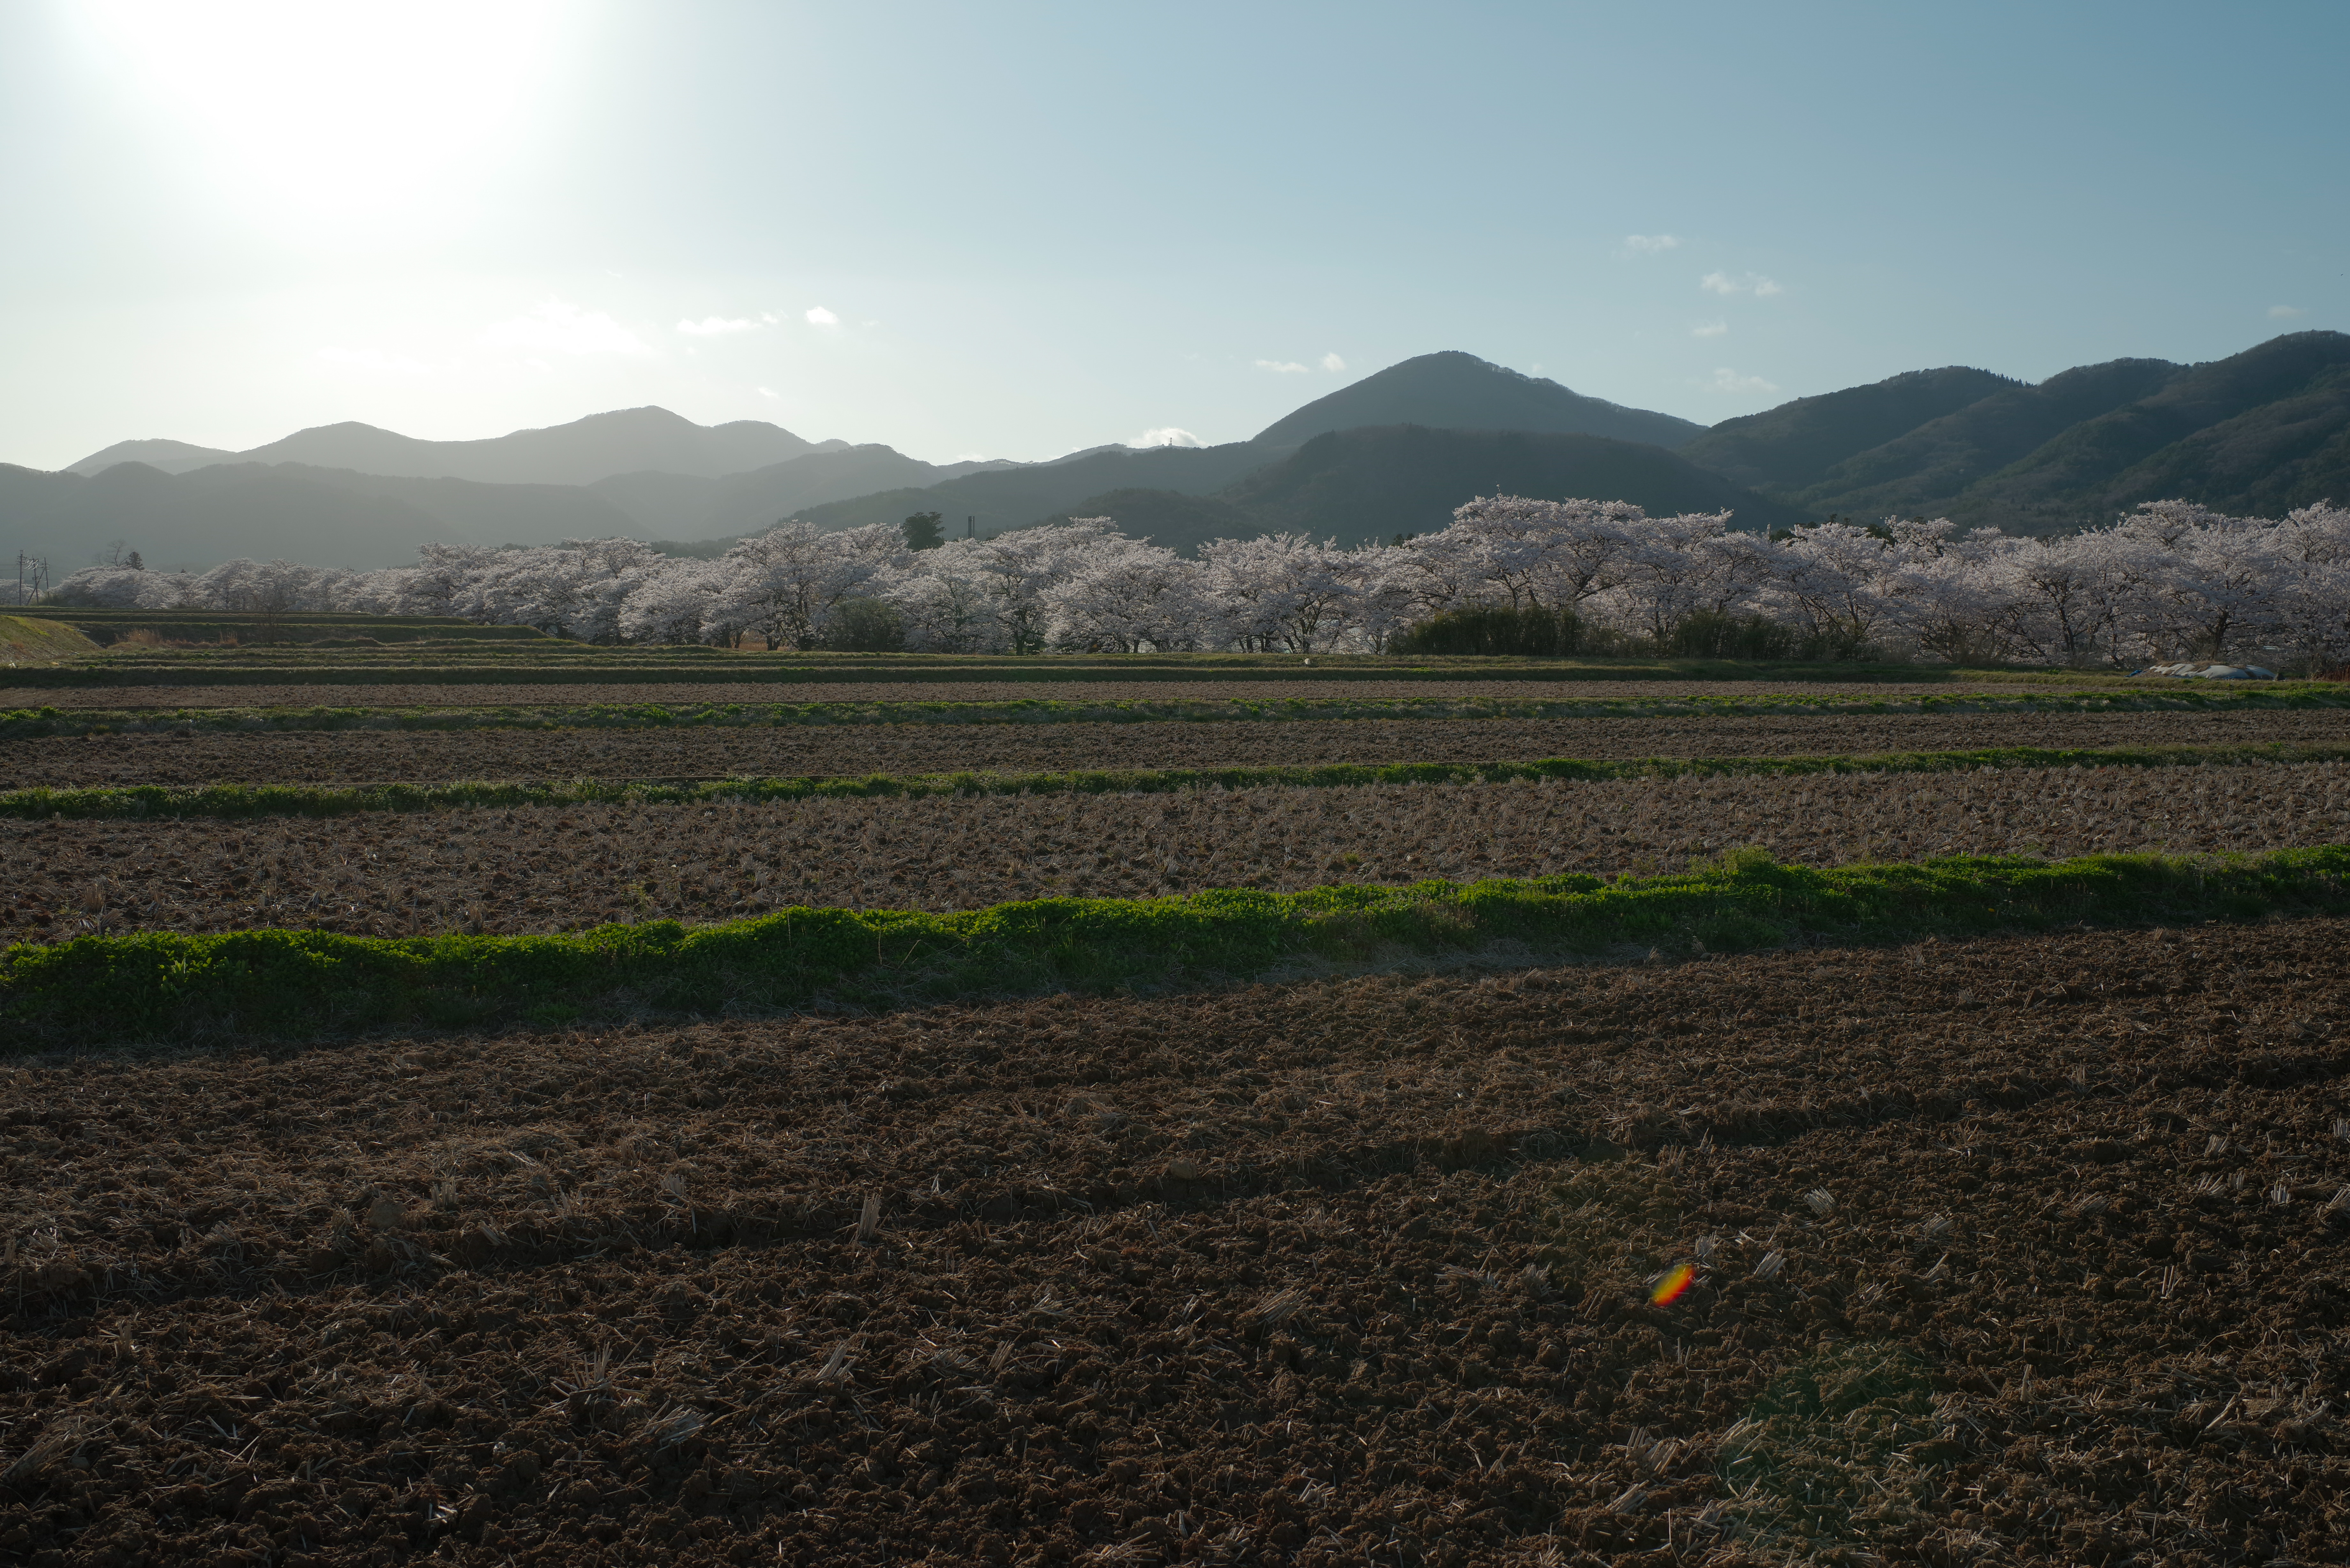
(1752, 283)
(766, 392)
(716, 327)
(1648, 244)
(1711, 329)
(818, 316)
(1281, 367)
(2285, 312)
(1726, 380)
(1165, 435)
(561, 326)
(1332, 363)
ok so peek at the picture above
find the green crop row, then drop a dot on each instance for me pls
(154, 986)
(444, 655)
(161, 802)
(27, 723)
(465, 663)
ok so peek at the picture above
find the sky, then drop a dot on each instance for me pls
(1020, 229)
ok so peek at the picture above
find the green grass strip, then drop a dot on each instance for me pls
(155, 986)
(457, 661)
(240, 802)
(33, 723)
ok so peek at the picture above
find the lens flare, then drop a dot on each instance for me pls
(1669, 1288)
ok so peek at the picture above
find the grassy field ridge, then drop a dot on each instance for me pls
(35, 723)
(238, 802)
(153, 986)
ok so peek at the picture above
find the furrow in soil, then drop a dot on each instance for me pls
(855, 751)
(555, 868)
(1998, 1251)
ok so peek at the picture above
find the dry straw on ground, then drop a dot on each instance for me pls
(1397, 1297)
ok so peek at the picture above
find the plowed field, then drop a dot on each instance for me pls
(427, 692)
(2003, 1252)
(854, 751)
(548, 868)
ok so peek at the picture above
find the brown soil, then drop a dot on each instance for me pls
(1275, 689)
(855, 751)
(2010, 1251)
(551, 868)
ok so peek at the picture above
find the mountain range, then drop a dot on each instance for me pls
(626, 440)
(2259, 432)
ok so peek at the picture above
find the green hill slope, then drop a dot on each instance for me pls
(1015, 497)
(2249, 430)
(2266, 462)
(1363, 484)
(1941, 457)
(1180, 522)
(1796, 445)
(1453, 390)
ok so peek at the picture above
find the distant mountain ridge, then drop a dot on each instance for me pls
(1453, 390)
(1015, 497)
(624, 441)
(200, 518)
(1787, 444)
(164, 456)
(1364, 486)
(2256, 432)
(2259, 434)
(1361, 486)
(366, 520)
(676, 505)
(1943, 456)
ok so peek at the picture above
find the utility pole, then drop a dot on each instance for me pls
(967, 524)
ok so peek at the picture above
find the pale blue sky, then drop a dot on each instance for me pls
(1027, 228)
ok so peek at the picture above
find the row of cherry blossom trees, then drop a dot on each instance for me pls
(2169, 580)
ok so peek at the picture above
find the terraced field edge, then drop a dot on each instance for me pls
(469, 659)
(35, 723)
(242, 802)
(98, 989)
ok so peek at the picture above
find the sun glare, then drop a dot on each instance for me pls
(336, 117)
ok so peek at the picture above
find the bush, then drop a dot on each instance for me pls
(1536, 631)
(1709, 633)
(864, 625)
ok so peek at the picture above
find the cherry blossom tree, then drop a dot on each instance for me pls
(1832, 579)
(2312, 596)
(683, 601)
(573, 589)
(2170, 579)
(1132, 596)
(1286, 591)
(998, 593)
(1671, 568)
(121, 587)
(785, 583)
(1512, 550)
(941, 595)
